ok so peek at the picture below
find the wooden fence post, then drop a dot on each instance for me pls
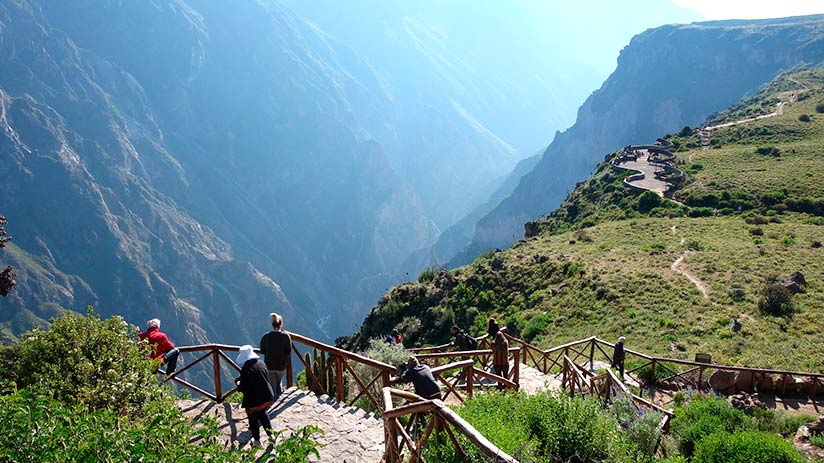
(289, 380)
(516, 369)
(216, 366)
(470, 379)
(592, 355)
(339, 378)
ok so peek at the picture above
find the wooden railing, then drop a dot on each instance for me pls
(665, 372)
(482, 356)
(422, 419)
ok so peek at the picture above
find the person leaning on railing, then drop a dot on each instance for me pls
(165, 350)
(421, 378)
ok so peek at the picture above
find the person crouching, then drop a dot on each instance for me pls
(257, 392)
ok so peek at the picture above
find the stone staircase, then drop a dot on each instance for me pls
(351, 435)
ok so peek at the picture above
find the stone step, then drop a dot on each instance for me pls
(351, 434)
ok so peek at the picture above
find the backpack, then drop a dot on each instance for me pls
(471, 342)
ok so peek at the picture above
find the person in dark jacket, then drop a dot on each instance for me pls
(618, 356)
(164, 349)
(492, 329)
(421, 378)
(276, 347)
(257, 392)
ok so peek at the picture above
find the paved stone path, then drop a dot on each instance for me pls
(649, 182)
(351, 435)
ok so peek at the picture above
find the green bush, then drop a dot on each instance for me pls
(777, 421)
(703, 417)
(776, 300)
(544, 428)
(38, 428)
(804, 118)
(86, 360)
(745, 447)
(647, 201)
(428, 274)
(700, 212)
(84, 390)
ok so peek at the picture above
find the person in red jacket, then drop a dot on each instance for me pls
(165, 351)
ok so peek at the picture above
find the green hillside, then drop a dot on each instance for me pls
(749, 214)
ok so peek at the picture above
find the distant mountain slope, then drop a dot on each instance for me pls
(206, 164)
(612, 261)
(477, 87)
(666, 78)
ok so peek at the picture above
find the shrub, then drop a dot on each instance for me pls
(745, 447)
(757, 220)
(86, 360)
(817, 440)
(700, 212)
(737, 294)
(647, 201)
(582, 236)
(703, 417)
(819, 108)
(542, 428)
(38, 428)
(695, 245)
(685, 131)
(804, 118)
(776, 300)
(428, 274)
(757, 231)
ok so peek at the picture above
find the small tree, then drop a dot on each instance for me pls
(6, 276)
(776, 300)
(647, 201)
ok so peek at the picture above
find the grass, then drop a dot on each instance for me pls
(558, 287)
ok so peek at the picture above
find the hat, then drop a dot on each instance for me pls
(245, 354)
(394, 331)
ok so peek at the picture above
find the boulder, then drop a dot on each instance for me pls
(745, 381)
(746, 402)
(789, 388)
(723, 381)
(805, 386)
(530, 229)
(765, 383)
(816, 427)
(796, 282)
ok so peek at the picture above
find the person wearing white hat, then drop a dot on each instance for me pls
(257, 392)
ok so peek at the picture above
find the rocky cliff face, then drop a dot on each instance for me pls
(666, 78)
(203, 164)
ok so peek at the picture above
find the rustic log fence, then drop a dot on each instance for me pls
(423, 418)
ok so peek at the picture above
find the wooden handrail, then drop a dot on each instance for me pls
(715, 366)
(442, 417)
(341, 352)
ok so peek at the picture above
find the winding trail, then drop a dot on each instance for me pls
(680, 267)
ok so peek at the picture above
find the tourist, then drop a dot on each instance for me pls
(463, 341)
(492, 329)
(397, 337)
(257, 392)
(500, 355)
(276, 347)
(618, 356)
(164, 349)
(421, 378)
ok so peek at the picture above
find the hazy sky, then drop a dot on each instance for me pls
(752, 9)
